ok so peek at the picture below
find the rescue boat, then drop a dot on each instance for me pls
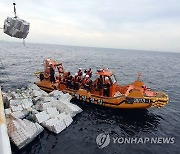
(131, 96)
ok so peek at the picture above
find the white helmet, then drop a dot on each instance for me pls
(76, 74)
(87, 76)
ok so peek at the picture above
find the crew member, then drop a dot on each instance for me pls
(87, 83)
(83, 78)
(89, 72)
(99, 84)
(79, 81)
(69, 80)
(80, 72)
(85, 71)
(106, 87)
(76, 83)
(60, 69)
(52, 73)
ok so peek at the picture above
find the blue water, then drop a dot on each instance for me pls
(161, 71)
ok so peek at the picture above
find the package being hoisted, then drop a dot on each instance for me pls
(16, 27)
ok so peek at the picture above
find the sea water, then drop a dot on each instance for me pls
(160, 71)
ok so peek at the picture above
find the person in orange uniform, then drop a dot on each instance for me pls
(75, 82)
(60, 69)
(61, 72)
(69, 80)
(106, 87)
(80, 72)
(89, 72)
(87, 83)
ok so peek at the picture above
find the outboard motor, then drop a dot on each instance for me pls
(16, 27)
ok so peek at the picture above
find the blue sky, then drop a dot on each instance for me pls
(128, 24)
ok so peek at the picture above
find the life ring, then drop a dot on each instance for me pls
(46, 75)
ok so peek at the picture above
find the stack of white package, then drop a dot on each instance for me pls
(41, 116)
(72, 109)
(26, 103)
(43, 106)
(58, 123)
(15, 108)
(49, 123)
(32, 128)
(52, 112)
(16, 27)
(58, 127)
(15, 102)
(65, 97)
(19, 114)
(56, 93)
(64, 120)
(19, 108)
(53, 121)
(21, 132)
(49, 99)
(69, 108)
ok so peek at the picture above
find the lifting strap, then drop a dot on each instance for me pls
(15, 10)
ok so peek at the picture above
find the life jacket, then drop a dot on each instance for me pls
(87, 81)
(76, 79)
(69, 78)
(79, 79)
(89, 73)
(144, 87)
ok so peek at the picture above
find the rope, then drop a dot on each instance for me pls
(24, 42)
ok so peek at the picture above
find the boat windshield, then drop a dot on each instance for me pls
(113, 79)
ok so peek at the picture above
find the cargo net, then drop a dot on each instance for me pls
(16, 27)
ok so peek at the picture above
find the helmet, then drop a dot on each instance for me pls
(87, 76)
(76, 74)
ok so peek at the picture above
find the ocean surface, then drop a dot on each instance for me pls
(160, 71)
